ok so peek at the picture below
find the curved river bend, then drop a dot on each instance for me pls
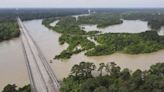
(12, 64)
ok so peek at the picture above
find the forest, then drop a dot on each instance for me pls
(107, 77)
(78, 39)
(34, 13)
(101, 19)
(72, 35)
(108, 43)
(8, 30)
(111, 78)
(14, 88)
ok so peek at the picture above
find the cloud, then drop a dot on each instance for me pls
(81, 3)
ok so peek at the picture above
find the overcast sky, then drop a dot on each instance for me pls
(81, 3)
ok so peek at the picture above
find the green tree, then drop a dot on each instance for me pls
(10, 88)
(125, 74)
(89, 86)
(101, 67)
(100, 89)
(83, 70)
(113, 69)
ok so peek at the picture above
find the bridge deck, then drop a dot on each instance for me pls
(41, 75)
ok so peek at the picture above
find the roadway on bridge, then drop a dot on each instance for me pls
(42, 78)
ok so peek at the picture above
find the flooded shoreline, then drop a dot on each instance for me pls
(12, 64)
(62, 67)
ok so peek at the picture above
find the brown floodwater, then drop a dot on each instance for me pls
(48, 41)
(12, 65)
(13, 68)
(128, 26)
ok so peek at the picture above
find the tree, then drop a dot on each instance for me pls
(101, 67)
(75, 70)
(89, 86)
(113, 69)
(83, 70)
(10, 88)
(116, 81)
(157, 69)
(113, 88)
(136, 80)
(100, 89)
(125, 74)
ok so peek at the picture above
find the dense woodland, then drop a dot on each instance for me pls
(29, 14)
(155, 17)
(108, 43)
(109, 78)
(74, 36)
(112, 78)
(14, 88)
(101, 19)
(8, 30)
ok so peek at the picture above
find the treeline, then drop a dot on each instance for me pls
(29, 14)
(113, 79)
(101, 19)
(145, 42)
(109, 78)
(14, 88)
(46, 22)
(8, 30)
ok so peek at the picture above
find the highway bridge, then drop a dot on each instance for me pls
(42, 78)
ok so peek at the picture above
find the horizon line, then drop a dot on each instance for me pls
(81, 7)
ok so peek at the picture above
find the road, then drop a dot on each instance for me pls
(42, 78)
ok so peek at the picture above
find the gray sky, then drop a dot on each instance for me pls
(81, 3)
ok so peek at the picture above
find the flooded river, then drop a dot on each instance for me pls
(128, 26)
(48, 41)
(12, 64)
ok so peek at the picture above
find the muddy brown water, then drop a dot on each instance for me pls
(12, 63)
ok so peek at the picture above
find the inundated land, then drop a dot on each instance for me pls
(107, 43)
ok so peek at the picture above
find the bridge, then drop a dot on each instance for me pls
(42, 78)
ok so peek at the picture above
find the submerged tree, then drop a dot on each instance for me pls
(83, 70)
